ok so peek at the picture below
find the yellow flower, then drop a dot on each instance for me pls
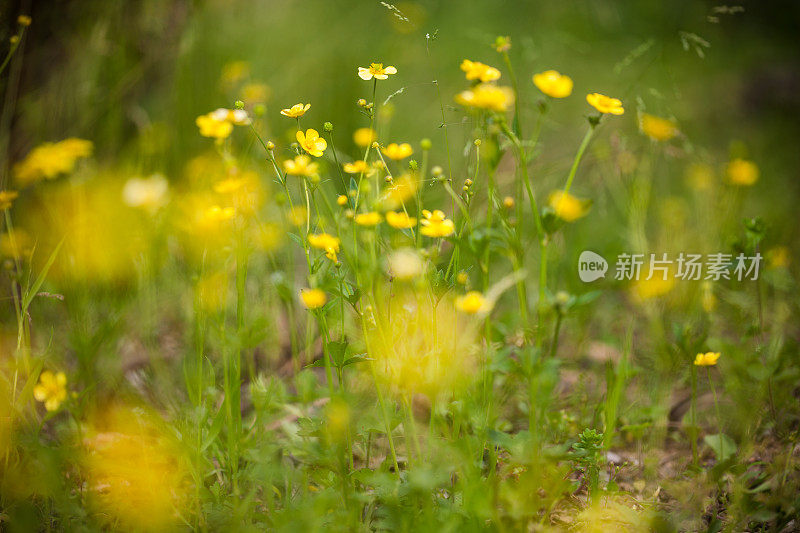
(148, 193)
(742, 172)
(368, 219)
(216, 214)
(24, 20)
(49, 160)
(486, 96)
(567, 207)
(313, 298)
(301, 165)
(375, 70)
(462, 278)
(475, 70)
(312, 142)
(405, 264)
(553, 84)
(51, 389)
(777, 257)
(328, 243)
(436, 224)
(7, 198)
(706, 359)
(16, 243)
(229, 185)
(397, 151)
(234, 116)
(213, 127)
(363, 137)
(356, 167)
(508, 202)
(604, 104)
(341, 199)
(255, 93)
(297, 215)
(400, 220)
(657, 128)
(401, 190)
(471, 303)
(700, 176)
(296, 111)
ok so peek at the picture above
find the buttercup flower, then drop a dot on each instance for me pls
(51, 389)
(742, 172)
(471, 303)
(604, 104)
(7, 198)
(567, 207)
(312, 142)
(313, 298)
(296, 111)
(213, 127)
(24, 20)
(234, 116)
(363, 137)
(301, 165)
(49, 160)
(553, 84)
(405, 264)
(216, 214)
(341, 199)
(368, 219)
(486, 96)
(356, 167)
(657, 128)
(436, 224)
(706, 359)
(328, 243)
(398, 151)
(400, 220)
(377, 71)
(476, 70)
(148, 193)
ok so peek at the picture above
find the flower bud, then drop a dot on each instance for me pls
(270, 145)
(467, 182)
(24, 20)
(477, 142)
(238, 104)
(341, 199)
(413, 165)
(259, 110)
(425, 144)
(361, 102)
(508, 202)
(327, 127)
(388, 179)
(437, 171)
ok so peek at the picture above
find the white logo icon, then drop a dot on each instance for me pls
(591, 266)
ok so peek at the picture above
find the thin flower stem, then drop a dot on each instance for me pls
(719, 418)
(578, 157)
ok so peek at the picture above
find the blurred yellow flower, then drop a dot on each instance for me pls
(7, 198)
(657, 128)
(296, 111)
(700, 176)
(777, 257)
(211, 291)
(404, 264)
(49, 160)
(567, 207)
(313, 298)
(301, 165)
(400, 220)
(326, 242)
(216, 214)
(341, 199)
(706, 359)
(368, 219)
(471, 303)
(399, 191)
(553, 84)
(24, 20)
(509, 202)
(51, 389)
(363, 137)
(475, 70)
(234, 72)
(356, 167)
(605, 104)
(375, 70)
(255, 93)
(486, 96)
(147, 193)
(210, 126)
(312, 142)
(742, 172)
(707, 298)
(436, 224)
(397, 152)
(462, 278)
(234, 116)
(645, 289)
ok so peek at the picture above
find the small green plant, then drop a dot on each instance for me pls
(587, 454)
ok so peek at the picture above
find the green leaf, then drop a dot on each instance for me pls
(34, 289)
(723, 445)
